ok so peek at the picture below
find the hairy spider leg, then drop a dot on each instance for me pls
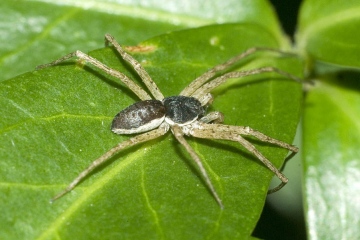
(242, 130)
(122, 77)
(145, 77)
(218, 118)
(206, 99)
(129, 143)
(233, 133)
(199, 81)
(213, 117)
(179, 135)
(209, 86)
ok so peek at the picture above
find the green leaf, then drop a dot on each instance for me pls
(332, 168)
(57, 123)
(34, 32)
(329, 31)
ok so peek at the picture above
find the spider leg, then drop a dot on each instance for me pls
(206, 99)
(179, 135)
(241, 130)
(131, 142)
(145, 77)
(198, 82)
(213, 117)
(207, 87)
(232, 133)
(127, 81)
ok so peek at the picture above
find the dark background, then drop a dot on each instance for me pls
(287, 11)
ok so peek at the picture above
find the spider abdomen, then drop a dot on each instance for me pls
(182, 110)
(139, 117)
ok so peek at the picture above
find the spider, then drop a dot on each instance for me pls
(183, 114)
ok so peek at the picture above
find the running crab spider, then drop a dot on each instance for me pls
(183, 114)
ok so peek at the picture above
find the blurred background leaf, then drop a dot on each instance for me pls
(329, 36)
(332, 166)
(329, 31)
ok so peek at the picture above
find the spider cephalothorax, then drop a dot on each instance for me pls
(183, 114)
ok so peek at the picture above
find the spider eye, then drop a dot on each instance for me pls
(182, 109)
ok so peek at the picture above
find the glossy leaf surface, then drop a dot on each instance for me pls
(329, 31)
(332, 166)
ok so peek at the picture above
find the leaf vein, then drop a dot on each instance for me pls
(148, 204)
